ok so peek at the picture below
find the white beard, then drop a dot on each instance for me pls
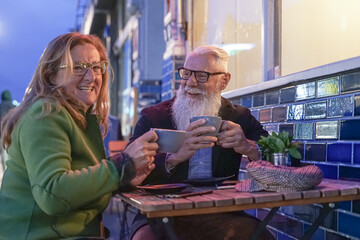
(185, 108)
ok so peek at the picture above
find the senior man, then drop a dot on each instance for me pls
(204, 76)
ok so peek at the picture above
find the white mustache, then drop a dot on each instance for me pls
(193, 90)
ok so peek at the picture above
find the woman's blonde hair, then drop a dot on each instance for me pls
(43, 86)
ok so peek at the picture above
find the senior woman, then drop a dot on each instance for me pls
(58, 180)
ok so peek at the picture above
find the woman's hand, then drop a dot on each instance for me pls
(142, 152)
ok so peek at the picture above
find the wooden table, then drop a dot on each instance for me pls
(158, 209)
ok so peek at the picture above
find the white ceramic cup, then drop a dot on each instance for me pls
(210, 121)
(169, 140)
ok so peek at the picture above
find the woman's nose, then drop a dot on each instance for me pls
(89, 75)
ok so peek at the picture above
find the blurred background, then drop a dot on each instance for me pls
(294, 63)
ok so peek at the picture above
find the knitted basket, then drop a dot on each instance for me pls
(266, 176)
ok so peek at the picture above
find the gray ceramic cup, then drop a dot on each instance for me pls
(169, 140)
(210, 121)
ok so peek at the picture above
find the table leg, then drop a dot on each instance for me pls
(327, 208)
(264, 223)
(163, 228)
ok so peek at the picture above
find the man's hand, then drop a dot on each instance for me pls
(232, 136)
(194, 140)
(142, 152)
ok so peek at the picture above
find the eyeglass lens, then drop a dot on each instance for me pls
(81, 68)
(199, 75)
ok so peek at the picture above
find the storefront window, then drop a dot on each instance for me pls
(318, 32)
(235, 25)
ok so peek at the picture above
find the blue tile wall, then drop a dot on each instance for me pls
(315, 152)
(279, 114)
(357, 105)
(246, 101)
(304, 131)
(329, 171)
(255, 113)
(350, 130)
(347, 223)
(350, 82)
(287, 128)
(305, 91)
(356, 153)
(295, 112)
(340, 107)
(328, 87)
(323, 115)
(315, 110)
(272, 97)
(349, 173)
(258, 100)
(339, 152)
(287, 95)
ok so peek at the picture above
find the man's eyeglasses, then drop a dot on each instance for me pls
(200, 76)
(81, 68)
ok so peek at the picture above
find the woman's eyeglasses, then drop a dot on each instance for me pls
(200, 76)
(81, 68)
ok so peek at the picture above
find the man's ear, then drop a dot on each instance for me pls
(225, 80)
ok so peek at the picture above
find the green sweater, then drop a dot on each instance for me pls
(57, 182)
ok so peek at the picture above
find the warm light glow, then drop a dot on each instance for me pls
(234, 48)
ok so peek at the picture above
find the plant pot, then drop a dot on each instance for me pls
(282, 159)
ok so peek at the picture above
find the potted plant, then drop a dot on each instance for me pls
(278, 147)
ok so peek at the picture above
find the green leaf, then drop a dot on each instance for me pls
(280, 145)
(294, 153)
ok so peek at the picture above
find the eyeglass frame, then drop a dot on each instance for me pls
(103, 64)
(193, 71)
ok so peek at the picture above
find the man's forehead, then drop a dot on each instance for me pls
(200, 62)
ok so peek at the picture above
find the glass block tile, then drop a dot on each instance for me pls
(258, 100)
(329, 171)
(279, 114)
(327, 130)
(339, 152)
(271, 128)
(265, 115)
(287, 128)
(357, 105)
(356, 153)
(295, 112)
(315, 152)
(255, 113)
(328, 87)
(349, 173)
(347, 223)
(315, 110)
(350, 129)
(272, 97)
(340, 107)
(350, 82)
(305, 91)
(304, 131)
(246, 101)
(236, 101)
(287, 95)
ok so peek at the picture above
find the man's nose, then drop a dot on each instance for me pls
(191, 81)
